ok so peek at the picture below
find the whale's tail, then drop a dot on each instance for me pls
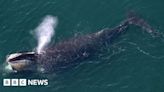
(133, 19)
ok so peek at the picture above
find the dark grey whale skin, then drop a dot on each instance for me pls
(79, 48)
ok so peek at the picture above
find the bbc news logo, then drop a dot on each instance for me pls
(25, 82)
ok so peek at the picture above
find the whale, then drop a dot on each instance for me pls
(73, 50)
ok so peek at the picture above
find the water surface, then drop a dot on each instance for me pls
(133, 63)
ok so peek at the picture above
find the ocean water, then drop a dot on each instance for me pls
(133, 63)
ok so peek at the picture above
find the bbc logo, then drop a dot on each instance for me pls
(14, 82)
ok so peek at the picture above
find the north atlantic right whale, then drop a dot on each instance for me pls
(74, 49)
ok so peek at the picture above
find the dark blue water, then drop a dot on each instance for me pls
(133, 63)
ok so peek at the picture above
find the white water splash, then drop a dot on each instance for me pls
(8, 68)
(45, 31)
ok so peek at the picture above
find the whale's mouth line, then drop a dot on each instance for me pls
(13, 58)
(16, 61)
(20, 61)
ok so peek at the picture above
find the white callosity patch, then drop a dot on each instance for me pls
(45, 31)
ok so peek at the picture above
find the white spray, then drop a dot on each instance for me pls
(45, 31)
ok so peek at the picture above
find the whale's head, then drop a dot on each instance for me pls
(25, 61)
